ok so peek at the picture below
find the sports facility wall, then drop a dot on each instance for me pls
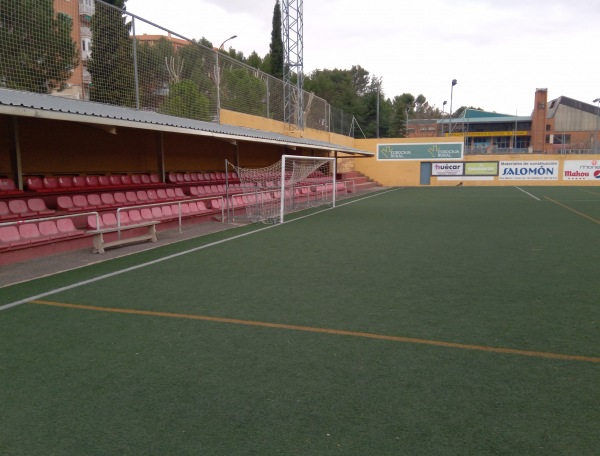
(479, 170)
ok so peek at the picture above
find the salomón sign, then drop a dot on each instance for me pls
(528, 170)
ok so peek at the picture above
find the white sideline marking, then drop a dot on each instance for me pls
(527, 193)
(169, 257)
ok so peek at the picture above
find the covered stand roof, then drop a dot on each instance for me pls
(43, 106)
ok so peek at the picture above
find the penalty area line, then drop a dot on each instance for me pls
(529, 194)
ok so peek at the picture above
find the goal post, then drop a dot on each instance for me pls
(293, 183)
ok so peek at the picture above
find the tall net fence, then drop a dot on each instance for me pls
(85, 50)
(293, 183)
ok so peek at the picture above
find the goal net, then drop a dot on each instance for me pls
(293, 183)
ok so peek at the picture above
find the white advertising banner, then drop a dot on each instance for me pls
(528, 170)
(447, 169)
(581, 170)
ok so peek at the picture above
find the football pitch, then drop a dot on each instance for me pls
(411, 321)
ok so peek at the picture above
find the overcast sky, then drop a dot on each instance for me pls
(499, 51)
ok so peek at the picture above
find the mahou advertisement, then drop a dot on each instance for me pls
(581, 170)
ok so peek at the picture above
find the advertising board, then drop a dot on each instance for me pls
(481, 169)
(529, 170)
(581, 170)
(447, 169)
(420, 151)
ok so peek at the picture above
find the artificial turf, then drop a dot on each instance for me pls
(486, 267)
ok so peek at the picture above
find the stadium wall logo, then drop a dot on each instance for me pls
(581, 170)
(540, 170)
(420, 151)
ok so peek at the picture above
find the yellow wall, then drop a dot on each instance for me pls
(407, 173)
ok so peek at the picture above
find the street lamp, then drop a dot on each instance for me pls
(597, 100)
(451, 93)
(218, 77)
(443, 107)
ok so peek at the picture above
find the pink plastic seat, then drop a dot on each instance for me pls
(81, 203)
(171, 194)
(162, 194)
(126, 180)
(10, 237)
(135, 216)
(194, 191)
(49, 229)
(157, 213)
(38, 205)
(172, 178)
(30, 232)
(20, 208)
(120, 199)
(202, 206)
(115, 181)
(65, 226)
(179, 193)
(5, 213)
(131, 197)
(65, 203)
(167, 212)
(187, 177)
(94, 222)
(136, 179)
(108, 199)
(123, 218)
(145, 179)
(7, 185)
(103, 181)
(146, 214)
(152, 195)
(109, 219)
(142, 196)
(95, 200)
(155, 179)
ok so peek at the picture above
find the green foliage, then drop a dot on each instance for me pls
(37, 53)
(276, 46)
(186, 100)
(154, 62)
(243, 92)
(111, 62)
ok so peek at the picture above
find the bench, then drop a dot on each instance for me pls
(100, 244)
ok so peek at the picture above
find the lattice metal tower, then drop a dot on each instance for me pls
(293, 62)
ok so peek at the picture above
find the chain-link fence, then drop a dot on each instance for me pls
(84, 49)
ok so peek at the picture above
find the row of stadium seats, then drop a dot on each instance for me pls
(92, 182)
(26, 234)
(21, 209)
(8, 187)
(108, 200)
(204, 178)
(154, 213)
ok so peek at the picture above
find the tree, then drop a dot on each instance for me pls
(185, 100)
(37, 53)
(111, 60)
(276, 46)
(242, 92)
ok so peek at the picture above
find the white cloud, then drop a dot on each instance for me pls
(500, 52)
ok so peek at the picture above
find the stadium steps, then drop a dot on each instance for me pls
(361, 182)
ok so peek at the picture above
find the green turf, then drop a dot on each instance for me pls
(485, 266)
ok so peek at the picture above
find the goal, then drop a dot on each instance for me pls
(293, 183)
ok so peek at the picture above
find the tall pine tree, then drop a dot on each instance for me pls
(276, 46)
(111, 62)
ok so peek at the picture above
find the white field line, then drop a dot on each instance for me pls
(169, 257)
(527, 193)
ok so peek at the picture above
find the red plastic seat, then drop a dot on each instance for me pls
(202, 206)
(79, 182)
(95, 200)
(7, 186)
(126, 180)
(49, 229)
(66, 226)
(152, 195)
(122, 218)
(157, 213)
(103, 181)
(154, 178)
(91, 181)
(131, 197)
(167, 212)
(180, 178)
(120, 199)
(194, 191)
(115, 180)
(50, 183)
(65, 182)
(146, 214)
(20, 208)
(108, 199)
(94, 222)
(65, 203)
(179, 193)
(187, 177)
(162, 194)
(31, 232)
(145, 179)
(136, 179)
(135, 216)
(5, 213)
(171, 194)
(38, 205)
(10, 237)
(172, 178)
(109, 219)
(142, 196)
(35, 184)
(81, 203)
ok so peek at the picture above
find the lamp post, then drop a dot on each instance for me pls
(597, 100)
(451, 93)
(443, 107)
(218, 77)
